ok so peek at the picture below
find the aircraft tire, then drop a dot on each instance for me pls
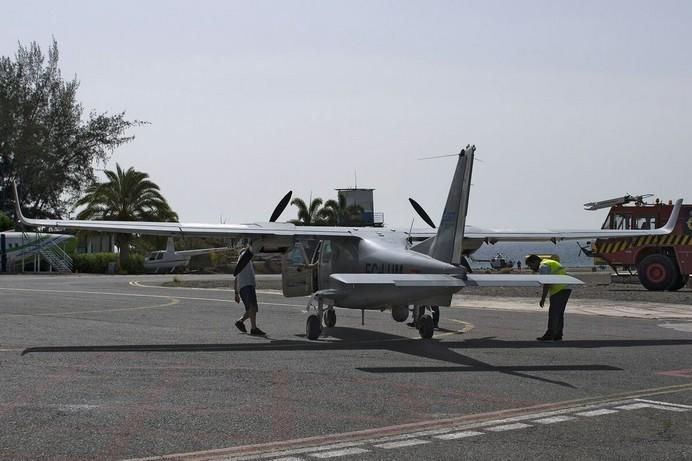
(427, 326)
(313, 327)
(400, 313)
(657, 272)
(330, 318)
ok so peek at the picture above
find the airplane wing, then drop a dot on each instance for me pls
(170, 229)
(554, 235)
(274, 229)
(450, 281)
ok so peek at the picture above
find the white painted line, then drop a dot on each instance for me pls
(507, 427)
(532, 416)
(290, 458)
(634, 406)
(457, 435)
(554, 419)
(637, 406)
(337, 453)
(293, 452)
(601, 412)
(679, 405)
(403, 443)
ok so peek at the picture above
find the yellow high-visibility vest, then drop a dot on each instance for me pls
(555, 269)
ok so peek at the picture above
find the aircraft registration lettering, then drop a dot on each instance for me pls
(374, 268)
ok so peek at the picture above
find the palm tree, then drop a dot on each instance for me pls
(338, 213)
(126, 196)
(308, 215)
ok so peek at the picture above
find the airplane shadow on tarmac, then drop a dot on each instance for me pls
(343, 338)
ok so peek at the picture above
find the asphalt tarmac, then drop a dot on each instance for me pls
(111, 367)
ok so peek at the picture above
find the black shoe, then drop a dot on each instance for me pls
(257, 332)
(557, 338)
(546, 338)
(241, 326)
(412, 324)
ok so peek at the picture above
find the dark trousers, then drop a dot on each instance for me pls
(556, 312)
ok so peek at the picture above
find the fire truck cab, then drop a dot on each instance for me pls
(662, 262)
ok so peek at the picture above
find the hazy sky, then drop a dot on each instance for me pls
(567, 102)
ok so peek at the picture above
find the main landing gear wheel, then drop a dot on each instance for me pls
(313, 327)
(330, 318)
(426, 326)
(657, 272)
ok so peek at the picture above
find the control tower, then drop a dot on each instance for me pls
(364, 199)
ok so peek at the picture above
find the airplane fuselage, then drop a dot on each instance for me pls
(377, 251)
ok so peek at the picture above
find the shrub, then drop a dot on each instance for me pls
(97, 263)
(134, 265)
(94, 263)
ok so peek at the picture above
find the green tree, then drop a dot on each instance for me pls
(45, 142)
(338, 213)
(5, 222)
(126, 196)
(308, 215)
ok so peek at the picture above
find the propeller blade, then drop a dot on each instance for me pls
(242, 262)
(281, 207)
(421, 212)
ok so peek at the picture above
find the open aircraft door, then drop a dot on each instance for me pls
(296, 275)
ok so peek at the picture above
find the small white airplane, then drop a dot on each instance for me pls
(169, 260)
(373, 268)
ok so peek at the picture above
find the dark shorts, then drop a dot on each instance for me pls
(249, 297)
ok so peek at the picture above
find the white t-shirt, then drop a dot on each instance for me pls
(247, 275)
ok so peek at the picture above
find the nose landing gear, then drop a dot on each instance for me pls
(317, 314)
(425, 319)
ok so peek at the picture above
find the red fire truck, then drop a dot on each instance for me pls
(662, 262)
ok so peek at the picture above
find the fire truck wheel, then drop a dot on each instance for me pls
(680, 282)
(657, 272)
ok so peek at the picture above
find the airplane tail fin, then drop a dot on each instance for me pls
(447, 243)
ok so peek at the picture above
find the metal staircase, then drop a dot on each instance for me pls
(49, 251)
(57, 258)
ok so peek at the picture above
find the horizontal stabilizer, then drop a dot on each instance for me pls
(401, 280)
(451, 281)
(512, 280)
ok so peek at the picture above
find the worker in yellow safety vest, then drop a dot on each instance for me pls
(559, 295)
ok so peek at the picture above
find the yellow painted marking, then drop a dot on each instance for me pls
(468, 327)
(188, 298)
(139, 284)
(172, 302)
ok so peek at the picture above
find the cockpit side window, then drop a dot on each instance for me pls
(296, 256)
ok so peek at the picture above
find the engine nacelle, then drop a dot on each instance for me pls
(400, 313)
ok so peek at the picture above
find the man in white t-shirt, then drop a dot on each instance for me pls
(244, 285)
